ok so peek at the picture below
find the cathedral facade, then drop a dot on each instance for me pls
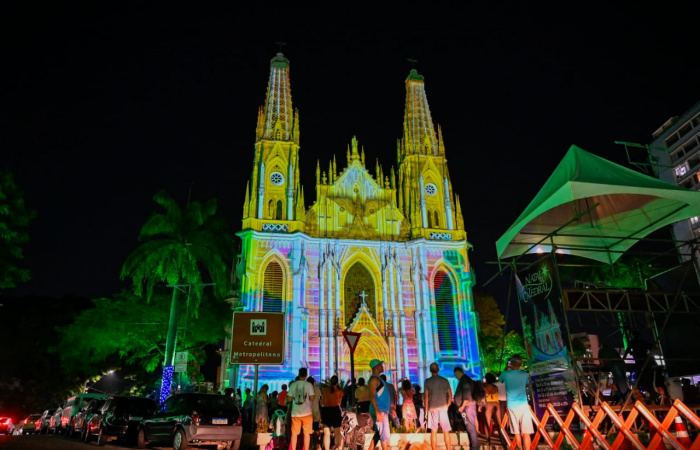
(382, 253)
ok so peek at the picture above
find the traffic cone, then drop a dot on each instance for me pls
(681, 433)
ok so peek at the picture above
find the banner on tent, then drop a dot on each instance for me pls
(542, 316)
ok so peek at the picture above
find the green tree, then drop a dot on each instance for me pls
(496, 345)
(497, 349)
(179, 248)
(15, 220)
(126, 333)
(491, 320)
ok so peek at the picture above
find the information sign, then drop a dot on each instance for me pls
(181, 361)
(258, 338)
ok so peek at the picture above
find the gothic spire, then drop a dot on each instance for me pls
(279, 122)
(418, 129)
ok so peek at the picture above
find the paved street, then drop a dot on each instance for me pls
(53, 442)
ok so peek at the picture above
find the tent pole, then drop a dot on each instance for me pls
(510, 289)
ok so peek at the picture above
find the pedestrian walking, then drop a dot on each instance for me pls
(349, 398)
(261, 416)
(331, 414)
(437, 398)
(273, 403)
(362, 396)
(418, 403)
(393, 417)
(380, 404)
(491, 406)
(316, 411)
(408, 409)
(615, 365)
(466, 405)
(301, 402)
(248, 406)
(282, 398)
(644, 362)
(519, 415)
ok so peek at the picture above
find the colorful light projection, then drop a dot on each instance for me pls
(167, 383)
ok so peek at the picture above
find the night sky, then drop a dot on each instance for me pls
(105, 105)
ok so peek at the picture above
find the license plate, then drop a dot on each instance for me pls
(135, 418)
(219, 421)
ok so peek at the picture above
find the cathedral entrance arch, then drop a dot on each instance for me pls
(358, 288)
(370, 347)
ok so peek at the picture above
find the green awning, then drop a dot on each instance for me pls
(591, 207)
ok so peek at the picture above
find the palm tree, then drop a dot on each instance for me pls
(178, 248)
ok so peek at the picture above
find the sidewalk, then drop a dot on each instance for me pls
(258, 441)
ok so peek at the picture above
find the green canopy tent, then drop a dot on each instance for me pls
(594, 208)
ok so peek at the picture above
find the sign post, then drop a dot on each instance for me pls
(181, 361)
(352, 338)
(257, 338)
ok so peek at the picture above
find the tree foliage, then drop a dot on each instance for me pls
(491, 320)
(497, 349)
(179, 246)
(496, 345)
(127, 333)
(15, 220)
(629, 271)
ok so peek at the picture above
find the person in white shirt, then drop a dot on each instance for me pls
(301, 398)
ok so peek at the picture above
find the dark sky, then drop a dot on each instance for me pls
(107, 104)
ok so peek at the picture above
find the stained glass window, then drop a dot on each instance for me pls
(445, 313)
(272, 288)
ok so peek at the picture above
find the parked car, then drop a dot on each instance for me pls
(119, 418)
(83, 417)
(29, 424)
(42, 424)
(71, 408)
(194, 419)
(6, 425)
(55, 421)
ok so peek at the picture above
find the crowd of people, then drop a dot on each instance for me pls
(316, 412)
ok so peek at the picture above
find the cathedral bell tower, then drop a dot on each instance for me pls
(425, 189)
(274, 200)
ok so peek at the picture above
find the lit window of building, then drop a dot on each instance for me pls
(681, 170)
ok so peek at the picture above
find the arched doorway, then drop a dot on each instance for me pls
(370, 347)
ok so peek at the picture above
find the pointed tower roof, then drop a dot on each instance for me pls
(278, 122)
(419, 132)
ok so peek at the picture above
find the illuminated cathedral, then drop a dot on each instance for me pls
(383, 253)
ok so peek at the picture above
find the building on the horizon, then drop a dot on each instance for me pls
(382, 253)
(676, 147)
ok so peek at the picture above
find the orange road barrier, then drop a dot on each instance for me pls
(626, 424)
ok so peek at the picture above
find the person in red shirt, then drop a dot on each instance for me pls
(282, 398)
